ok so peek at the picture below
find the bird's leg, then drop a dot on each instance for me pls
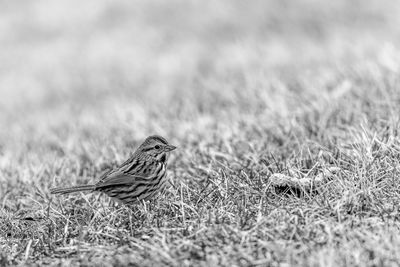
(146, 210)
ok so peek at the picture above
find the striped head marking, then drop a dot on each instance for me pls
(157, 147)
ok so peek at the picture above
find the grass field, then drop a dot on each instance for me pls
(244, 90)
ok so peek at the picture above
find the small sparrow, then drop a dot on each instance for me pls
(141, 177)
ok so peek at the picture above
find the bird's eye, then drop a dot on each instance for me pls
(157, 147)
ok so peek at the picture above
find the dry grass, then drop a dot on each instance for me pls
(245, 91)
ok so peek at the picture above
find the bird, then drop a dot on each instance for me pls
(140, 177)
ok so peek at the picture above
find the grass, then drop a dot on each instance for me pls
(244, 91)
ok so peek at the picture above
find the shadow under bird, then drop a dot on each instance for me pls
(141, 177)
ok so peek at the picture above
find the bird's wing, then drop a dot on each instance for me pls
(123, 174)
(119, 178)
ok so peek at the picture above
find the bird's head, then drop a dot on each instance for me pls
(156, 147)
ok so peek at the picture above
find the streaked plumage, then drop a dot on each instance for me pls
(141, 177)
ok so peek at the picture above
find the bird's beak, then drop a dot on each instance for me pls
(170, 148)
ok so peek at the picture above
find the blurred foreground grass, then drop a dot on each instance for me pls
(243, 89)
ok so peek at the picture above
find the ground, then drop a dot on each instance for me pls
(245, 90)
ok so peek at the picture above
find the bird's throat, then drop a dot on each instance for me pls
(163, 157)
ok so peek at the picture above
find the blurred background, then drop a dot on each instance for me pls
(70, 68)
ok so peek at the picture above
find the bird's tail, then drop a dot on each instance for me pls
(67, 190)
